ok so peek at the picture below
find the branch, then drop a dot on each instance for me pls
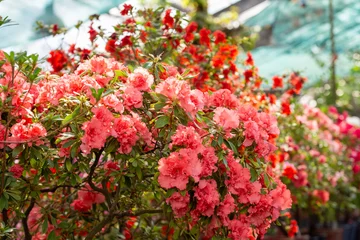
(53, 189)
(98, 227)
(138, 213)
(110, 217)
(24, 220)
(91, 174)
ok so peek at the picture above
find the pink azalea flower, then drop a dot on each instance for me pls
(16, 170)
(207, 197)
(179, 204)
(226, 118)
(141, 79)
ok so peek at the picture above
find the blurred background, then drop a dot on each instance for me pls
(318, 38)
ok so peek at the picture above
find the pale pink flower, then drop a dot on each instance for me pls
(179, 204)
(207, 197)
(226, 118)
(132, 97)
(141, 79)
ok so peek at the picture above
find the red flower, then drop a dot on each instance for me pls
(189, 31)
(277, 82)
(248, 73)
(165, 231)
(272, 98)
(290, 172)
(249, 60)
(126, 41)
(71, 48)
(293, 228)
(92, 33)
(127, 234)
(143, 36)
(168, 21)
(147, 24)
(126, 9)
(16, 170)
(219, 36)
(55, 28)
(111, 46)
(57, 59)
(205, 37)
(285, 108)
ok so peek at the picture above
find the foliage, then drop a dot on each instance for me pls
(131, 151)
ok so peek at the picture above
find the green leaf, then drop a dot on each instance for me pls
(3, 203)
(148, 65)
(14, 196)
(254, 174)
(69, 143)
(162, 121)
(139, 173)
(71, 116)
(266, 180)
(16, 151)
(68, 165)
(231, 146)
(180, 114)
(44, 226)
(97, 93)
(119, 73)
(159, 105)
(52, 235)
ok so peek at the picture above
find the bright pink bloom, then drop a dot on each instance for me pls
(223, 98)
(112, 101)
(132, 97)
(226, 207)
(186, 137)
(125, 132)
(281, 196)
(208, 161)
(251, 133)
(2, 135)
(176, 169)
(322, 195)
(179, 204)
(110, 167)
(95, 135)
(141, 79)
(80, 205)
(240, 228)
(90, 196)
(300, 180)
(207, 197)
(226, 118)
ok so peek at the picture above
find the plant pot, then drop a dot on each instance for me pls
(331, 234)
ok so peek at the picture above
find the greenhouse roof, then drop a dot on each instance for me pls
(301, 30)
(25, 13)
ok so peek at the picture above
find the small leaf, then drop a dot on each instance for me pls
(52, 235)
(231, 146)
(254, 175)
(266, 180)
(139, 173)
(16, 151)
(159, 105)
(71, 116)
(44, 226)
(162, 121)
(68, 165)
(3, 203)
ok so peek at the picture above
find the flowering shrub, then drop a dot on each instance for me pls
(106, 147)
(161, 136)
(314, 159)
